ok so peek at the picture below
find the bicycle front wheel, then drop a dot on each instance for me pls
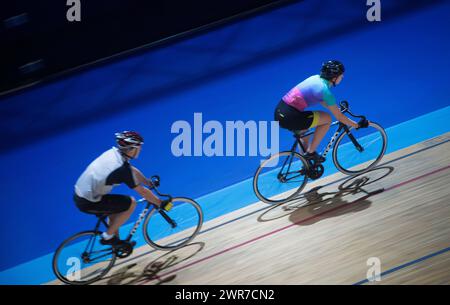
(281, 177)
(81, 259)
(360, 150)
(173, 229)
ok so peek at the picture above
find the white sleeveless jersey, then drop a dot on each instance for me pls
(108, 170)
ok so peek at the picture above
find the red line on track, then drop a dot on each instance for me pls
(417, 178)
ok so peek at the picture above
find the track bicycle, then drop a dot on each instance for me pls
(82, 259)
(284, 175)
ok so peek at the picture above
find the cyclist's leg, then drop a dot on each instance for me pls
(118, 207)
(125, 203)
(306, 140)
(322, 122)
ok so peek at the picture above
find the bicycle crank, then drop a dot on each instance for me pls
(85, 257)
(316, 172)
(124, 250)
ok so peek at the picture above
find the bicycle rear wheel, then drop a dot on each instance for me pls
(281, 177)
(369, 146)
(81, 259)
(173, 229)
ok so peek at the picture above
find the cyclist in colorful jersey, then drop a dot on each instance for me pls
(291, 111)
(108, 170)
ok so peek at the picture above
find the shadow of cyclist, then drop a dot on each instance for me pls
(128, 275)
(312, 206)
(352, 197)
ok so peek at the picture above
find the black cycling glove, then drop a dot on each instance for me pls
(363, 123)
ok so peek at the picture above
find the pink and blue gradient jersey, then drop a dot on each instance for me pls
(309, 92)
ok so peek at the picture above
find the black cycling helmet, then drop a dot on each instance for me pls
(129, 139)
(331, 69)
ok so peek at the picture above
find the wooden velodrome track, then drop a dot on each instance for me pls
(325, 237)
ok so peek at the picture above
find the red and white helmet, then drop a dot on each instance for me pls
(129, 139)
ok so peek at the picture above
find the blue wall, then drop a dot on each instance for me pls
(396, 71)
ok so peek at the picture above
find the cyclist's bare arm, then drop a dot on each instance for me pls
(339, 115)
(142, 190)
(140, 177)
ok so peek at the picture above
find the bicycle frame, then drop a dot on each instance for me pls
(139, 220)
(299, 143)
(330, 143)
(90, 244)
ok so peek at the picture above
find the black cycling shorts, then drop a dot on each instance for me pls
(293, 119)
(109, 204)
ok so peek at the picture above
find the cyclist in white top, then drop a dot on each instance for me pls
(109, 169)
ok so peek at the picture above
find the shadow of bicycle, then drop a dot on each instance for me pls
(134, 274)
(313, 206)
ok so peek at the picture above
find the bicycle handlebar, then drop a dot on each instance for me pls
(155, 182)
(344, 107)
